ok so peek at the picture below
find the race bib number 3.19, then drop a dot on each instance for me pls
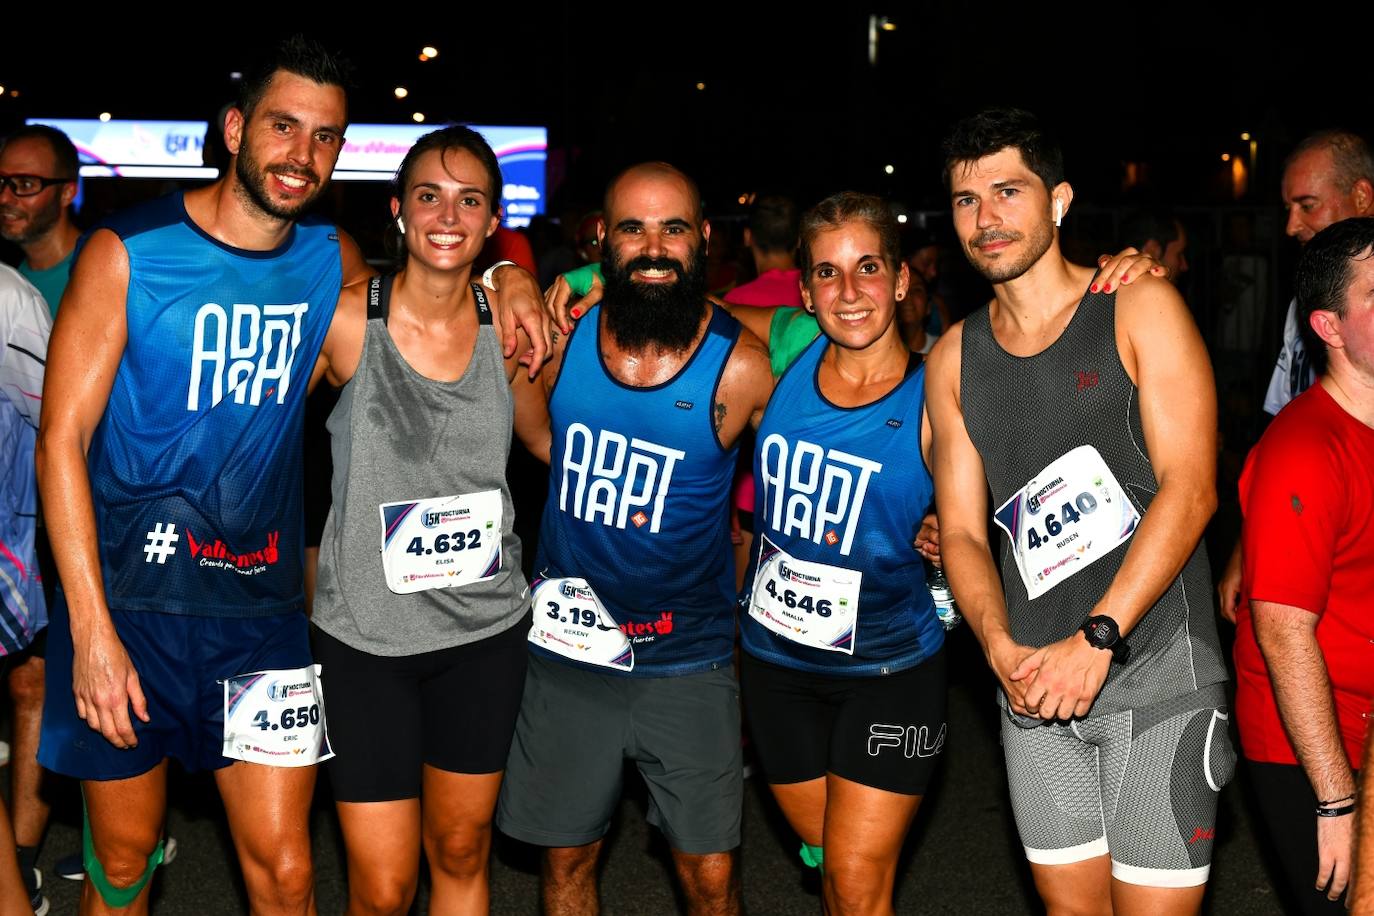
(812, 604)
(441, 543)
(570, 621)
(1067, 517)
(276, 718)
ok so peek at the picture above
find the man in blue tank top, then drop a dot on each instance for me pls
(1102, 473)
(170, 457)
(633, 635)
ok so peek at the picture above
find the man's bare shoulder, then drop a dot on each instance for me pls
(942, 363)
(1146, 297)
(749, 360)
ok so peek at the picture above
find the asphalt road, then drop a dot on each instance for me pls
(962, 857)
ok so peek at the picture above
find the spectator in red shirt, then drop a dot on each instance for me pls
(1305, 634)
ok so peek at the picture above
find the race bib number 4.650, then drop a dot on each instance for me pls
(1066, 518)
(812, 604)
(441, 543)
(569, 620)
(276, 718)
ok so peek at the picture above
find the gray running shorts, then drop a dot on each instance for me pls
(577, 727)
(1140, 785)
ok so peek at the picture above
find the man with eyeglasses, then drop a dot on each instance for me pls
(38, 167)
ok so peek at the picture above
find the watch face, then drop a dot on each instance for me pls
(1101, 632)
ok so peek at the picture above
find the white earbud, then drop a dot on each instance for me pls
(1058, 211)
(401, 224)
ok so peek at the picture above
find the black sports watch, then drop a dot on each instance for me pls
(1103, 633)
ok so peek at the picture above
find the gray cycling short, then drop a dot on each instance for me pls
(577, 727)
(1140, 785)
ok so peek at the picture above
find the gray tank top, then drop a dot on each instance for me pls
(1023, 413)
(398, 437)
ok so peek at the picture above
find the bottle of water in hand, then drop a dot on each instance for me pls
(940, 593)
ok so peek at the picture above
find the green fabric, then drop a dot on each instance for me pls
(790, 333)
(51, 282)
(581, 279)
(115, 897)
(812, 856)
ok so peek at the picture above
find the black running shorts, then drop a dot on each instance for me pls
(884, 731)
(452, 709)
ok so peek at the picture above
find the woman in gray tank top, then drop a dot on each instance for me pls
(421, 610)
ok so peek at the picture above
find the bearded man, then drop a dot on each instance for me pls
(633, 635)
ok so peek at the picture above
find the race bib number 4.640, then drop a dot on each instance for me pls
(276, 718)
(1066, 518)
(812, 604)
(441, 543)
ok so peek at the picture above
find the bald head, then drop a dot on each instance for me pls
(657, 177)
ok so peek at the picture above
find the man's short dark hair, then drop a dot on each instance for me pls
(1324, 274)
(774, 221)
(301, 56)
(63, 150)
(1350, 155)
(995, 129)
(1139, 226)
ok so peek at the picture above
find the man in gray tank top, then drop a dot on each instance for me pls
(1102, 478)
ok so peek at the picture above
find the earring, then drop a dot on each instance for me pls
(899, 296)
(401, 225)
(1058, 212)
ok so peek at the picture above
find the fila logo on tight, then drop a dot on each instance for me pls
(913, 741)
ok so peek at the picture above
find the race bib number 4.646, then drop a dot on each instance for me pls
(1066, 518)
(441, 543)
(276, 718)
(812, 604)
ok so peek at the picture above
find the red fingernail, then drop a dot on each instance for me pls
(577, 313)
(1107, 288)
(1125, 277)
(1093, 287)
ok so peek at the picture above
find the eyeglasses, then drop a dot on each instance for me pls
(29, 185)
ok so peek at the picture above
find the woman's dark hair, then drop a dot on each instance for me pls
(446, 140)
(844, 207)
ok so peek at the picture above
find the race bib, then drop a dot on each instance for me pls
(441, 543)
(276, 718)
(1067, 517)
(812, 604)
(569, 620)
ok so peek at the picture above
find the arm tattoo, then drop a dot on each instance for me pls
(718, 416)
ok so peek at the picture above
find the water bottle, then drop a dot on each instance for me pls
(940, 593)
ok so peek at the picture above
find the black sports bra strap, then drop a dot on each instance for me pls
(379, 297)
(483, 306)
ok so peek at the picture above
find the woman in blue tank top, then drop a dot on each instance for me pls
(843, 672)
(421, 610)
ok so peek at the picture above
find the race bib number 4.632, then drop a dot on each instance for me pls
(276, 718)
(569, 620)
(441, 543)
(1066, 518)
(812, 604)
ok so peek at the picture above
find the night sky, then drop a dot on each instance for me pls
(789, 102)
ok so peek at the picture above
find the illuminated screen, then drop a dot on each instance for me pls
(172, 149)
